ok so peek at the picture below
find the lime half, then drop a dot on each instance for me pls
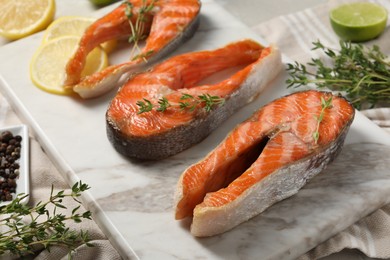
(357, 22)
(102, 2)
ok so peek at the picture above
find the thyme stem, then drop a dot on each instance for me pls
(20, 236)
(325, 104)
(361, 74)
(189, 102)
(137, 28)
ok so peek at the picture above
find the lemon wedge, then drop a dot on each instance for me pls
(20, 18)
(73, 25)
(47, 67)
(359, 21)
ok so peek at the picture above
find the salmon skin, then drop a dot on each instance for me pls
(157, 135)
(166, 26)
(265, 159)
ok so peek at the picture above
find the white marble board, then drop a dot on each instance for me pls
(132, 201)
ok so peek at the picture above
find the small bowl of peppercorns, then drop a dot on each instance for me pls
(14, 163)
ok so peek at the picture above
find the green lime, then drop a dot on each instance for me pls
(102, 2)
(357, 22)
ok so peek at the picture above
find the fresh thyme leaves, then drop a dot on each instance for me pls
(186, 96)
(189, 102)
(211, 101)
(325, 104)
(164, 104)
(144, 106)
(144, 56)
(138, 28)
(44, 225)
(361, 74)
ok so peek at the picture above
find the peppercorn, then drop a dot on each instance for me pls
(11, 183)
(8, 196)
(6, 136)
(10, 149)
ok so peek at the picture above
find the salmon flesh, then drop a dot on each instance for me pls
(265, 159)
(166, 26)
(157, 135)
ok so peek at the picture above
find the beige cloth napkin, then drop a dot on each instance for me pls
(43, 175)
(294, 34)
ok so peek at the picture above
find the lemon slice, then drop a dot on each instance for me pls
(47, 67)
(19, 18)
(67, 25)
(73, 25)
(357, 22)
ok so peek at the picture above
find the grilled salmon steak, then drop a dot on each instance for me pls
(156, 134)
(265, 159)
(164, 23)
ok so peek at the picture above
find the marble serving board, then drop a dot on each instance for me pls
(132, 201)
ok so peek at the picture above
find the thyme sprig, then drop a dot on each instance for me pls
(210, 101)
(188, 102)
(137, 29)
(144, 106)
(360, 73)
(325, 104)
(163, 104)
(21, 237)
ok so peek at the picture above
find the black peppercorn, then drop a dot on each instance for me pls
(8, 196)
(10, 148)
(11, 183)
(6, 136)
(18, 138)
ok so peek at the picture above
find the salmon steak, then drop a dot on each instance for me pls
(263, 160)
(158, 134)
(164, 23)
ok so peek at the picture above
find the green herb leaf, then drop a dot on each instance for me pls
(186, 96)
(209, 103)
(325, 104)
(164, 104)
(361, 74)
(144, 106)
(138, 27)
(20, 237)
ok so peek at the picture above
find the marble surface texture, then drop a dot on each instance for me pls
(132, 201)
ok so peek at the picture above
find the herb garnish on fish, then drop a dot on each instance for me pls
(325, 104)
(360, 73)
(211, 101)
(257, 159)
(137, 29)
(191, 102)
(144, 106)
